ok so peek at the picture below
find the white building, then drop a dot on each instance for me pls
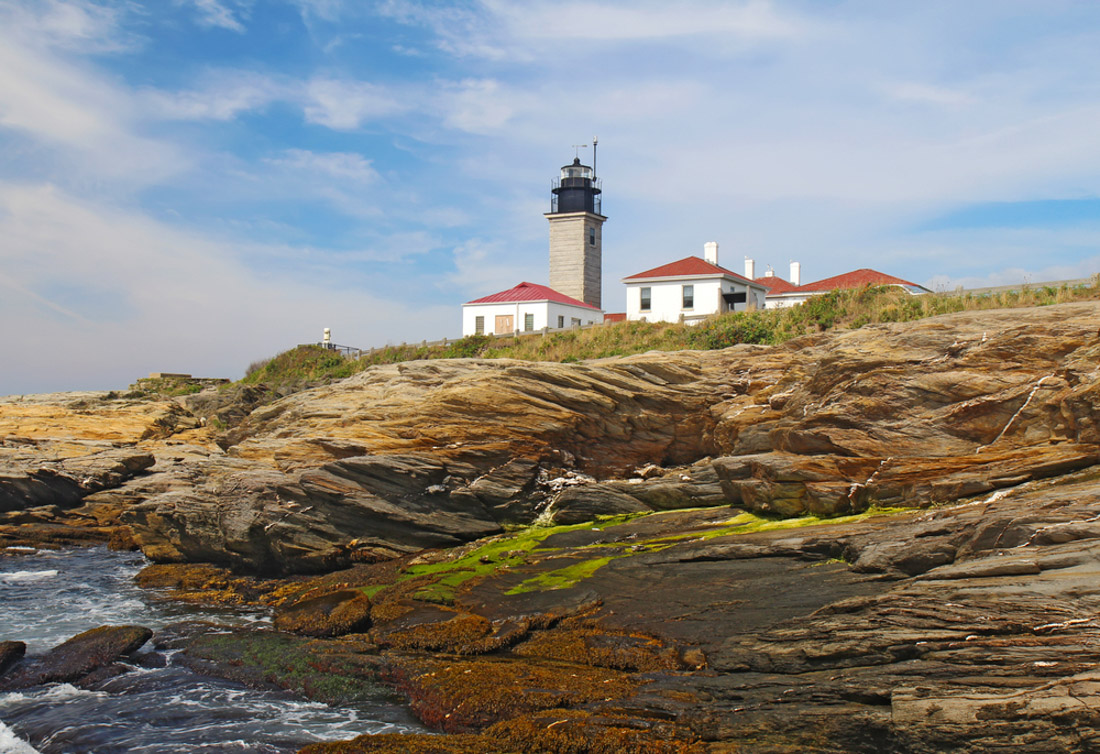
(527, 307)
(691, 290)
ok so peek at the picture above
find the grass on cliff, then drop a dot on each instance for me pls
(850, 309)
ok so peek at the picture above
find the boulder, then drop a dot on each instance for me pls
(11, 652)
(79, 656)
(574, 505)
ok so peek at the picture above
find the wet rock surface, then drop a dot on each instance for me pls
(77, 659)
(966, 628)
(11, 652)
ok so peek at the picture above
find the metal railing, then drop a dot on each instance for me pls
(351, 352)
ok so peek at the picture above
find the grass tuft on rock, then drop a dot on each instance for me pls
(850, 309)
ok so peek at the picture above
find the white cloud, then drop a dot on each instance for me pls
(214, 13)
(91, 121)
(123, 295)
(340, 165)
(326, 10)
(223, 95)
(74, 25)
(756, 19)
(498, 30)
(479, 106)
(345, 105)
(927, 94)
(483, 267)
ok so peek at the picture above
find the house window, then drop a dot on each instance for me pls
(575, 322)
(479, 325)
(689, 296)
(528, 322)
(561, 322)
(591, 236)
(647, 298)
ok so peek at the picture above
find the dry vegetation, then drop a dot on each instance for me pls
(836, 310)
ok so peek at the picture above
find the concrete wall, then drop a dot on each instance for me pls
(545, 313)
(575, 264)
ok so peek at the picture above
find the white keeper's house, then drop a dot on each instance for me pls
(527, 307)
(690, 290)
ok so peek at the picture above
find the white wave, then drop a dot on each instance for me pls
(20, 548)
(13, 744)
(63, 691)
(16, 577)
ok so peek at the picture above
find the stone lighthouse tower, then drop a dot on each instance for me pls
(576, 227)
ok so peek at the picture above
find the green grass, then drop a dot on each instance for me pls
(850, 309)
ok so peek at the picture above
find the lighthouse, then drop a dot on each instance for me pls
(576, 230)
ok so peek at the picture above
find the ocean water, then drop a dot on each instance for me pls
(47, 597)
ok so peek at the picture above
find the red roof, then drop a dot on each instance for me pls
(688, 266)
(777, 284)
(856, 279)
(530, 292)
(615, 317)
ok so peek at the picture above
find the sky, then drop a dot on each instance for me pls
(193, 185)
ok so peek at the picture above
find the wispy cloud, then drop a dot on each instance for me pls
(72, 25)
(338, 165)
(347, 104)
(927, 94)
(90, 120)
(223, 95)
(755, 19)
(215, 13)
(192, 305)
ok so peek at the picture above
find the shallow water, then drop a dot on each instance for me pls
(47, 597)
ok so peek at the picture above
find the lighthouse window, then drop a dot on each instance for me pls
(689, 296)
(479, 325)
(646, 299)
(591, 236)
(528, 322)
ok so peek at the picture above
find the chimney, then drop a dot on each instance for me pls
(770, 272)
(750, 268)
(710, 252)
(796, 273)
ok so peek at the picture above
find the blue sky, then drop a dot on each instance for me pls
(190, 185)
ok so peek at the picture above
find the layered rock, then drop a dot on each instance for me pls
(428, 454)
(969, 628)
(431, 454)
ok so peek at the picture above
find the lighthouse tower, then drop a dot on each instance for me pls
(576, 227)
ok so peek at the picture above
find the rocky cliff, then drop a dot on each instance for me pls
(430, 454)
(882, 539)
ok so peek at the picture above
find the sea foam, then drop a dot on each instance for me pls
(13, 744)
(18, 577)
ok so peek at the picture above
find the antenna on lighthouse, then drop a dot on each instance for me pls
(595, 141)
(577, 148)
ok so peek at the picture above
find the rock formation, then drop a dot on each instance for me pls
(430, 454)
(883, 539)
